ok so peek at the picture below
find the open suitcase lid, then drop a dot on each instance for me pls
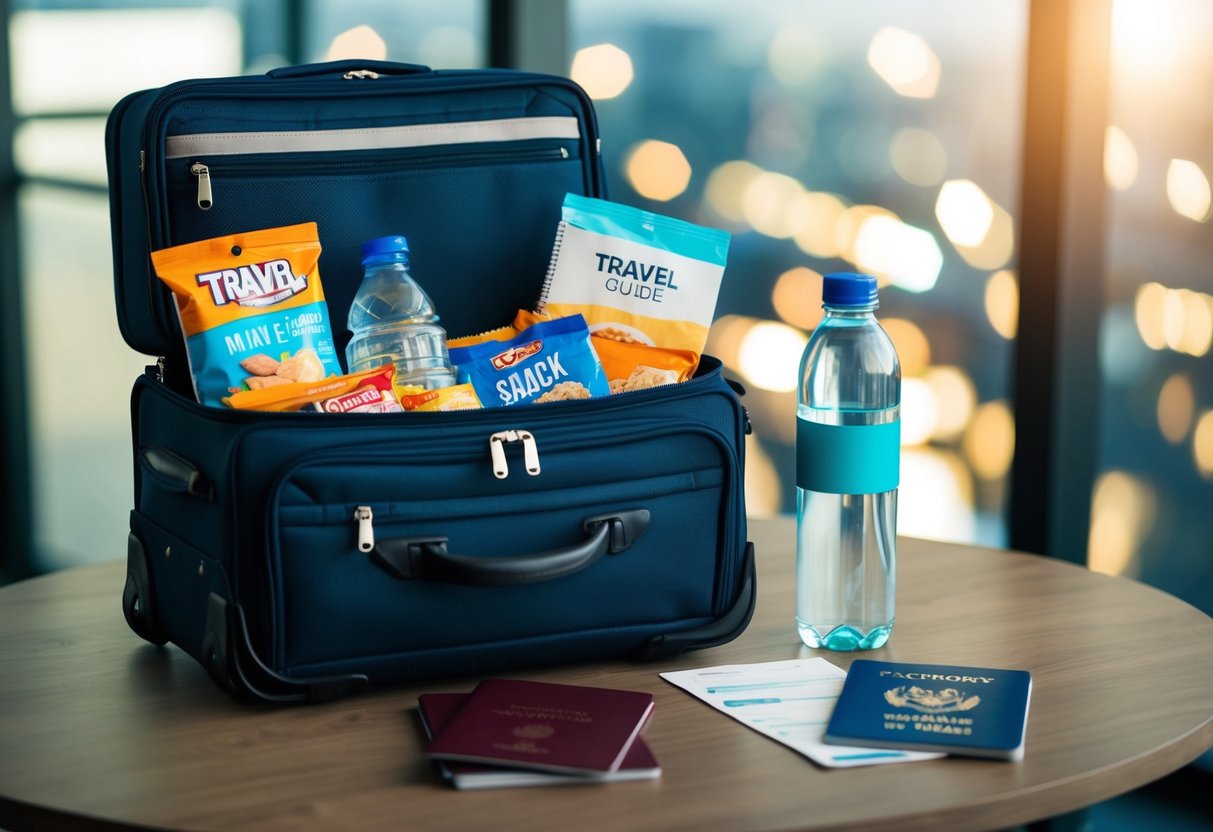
(470, 165)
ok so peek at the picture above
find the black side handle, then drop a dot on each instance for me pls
(176, 472)
(427, 558)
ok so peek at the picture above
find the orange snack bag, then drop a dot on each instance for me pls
(367, 392)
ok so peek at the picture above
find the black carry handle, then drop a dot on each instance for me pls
(427, 558)
(354, 69)
(176, 472)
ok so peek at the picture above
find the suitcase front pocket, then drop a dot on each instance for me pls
(632, 542)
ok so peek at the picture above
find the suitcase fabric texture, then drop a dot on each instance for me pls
(299, 557)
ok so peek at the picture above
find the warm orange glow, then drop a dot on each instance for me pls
(1119, 159)
(726, 188)
(1148, 313)
(1188, 190)
(604, 71)
(817, 234)
(767, 203)
(1202, 445)
(989, 443)
(919, 412)
(658, 170)
(769, 356)
(913, 348)
(1122, 513)
(1176, 408)
(956, 398)
(797, 297)
(1002, 303)
(724, 338)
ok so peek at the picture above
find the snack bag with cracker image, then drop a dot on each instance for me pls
(252, 310)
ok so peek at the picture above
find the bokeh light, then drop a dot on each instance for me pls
(769, 356)
(724, 337)
(918, 156)
(919, 412)
(907, 256)
(657, 170)
(1148, 312)
(818, 232)
(905, 62)
(935, 500)
(797, 297)
(1122, 512)
(996, 248)
(964, 212)
(1188, 190)
(955, 397)
(1202, 445)
(359, 42)
(913, 348)
(726, 188)
(603, 71)
(794, 55)
(850, 222)
(1002, 303)
(1176, 408)
(1176, 319)
(767, 201)
(1119, 159)
(989, 442)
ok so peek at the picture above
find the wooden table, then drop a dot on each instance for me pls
(97, 724)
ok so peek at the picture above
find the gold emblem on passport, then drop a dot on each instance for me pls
(534, 731)
(929, 701)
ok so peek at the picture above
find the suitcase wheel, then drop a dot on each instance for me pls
(138, 604)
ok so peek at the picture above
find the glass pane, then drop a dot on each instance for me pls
(1150, 514)
(79, 373)
(57, 65)
(445, 35)
(883, 137)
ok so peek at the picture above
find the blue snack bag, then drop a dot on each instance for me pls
(548, 361)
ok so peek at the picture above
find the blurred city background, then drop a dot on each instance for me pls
(884, 136)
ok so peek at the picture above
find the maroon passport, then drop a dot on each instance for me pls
(544, 726)
(437, 709)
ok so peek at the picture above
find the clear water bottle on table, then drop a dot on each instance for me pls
(393, 320)
(848, 433)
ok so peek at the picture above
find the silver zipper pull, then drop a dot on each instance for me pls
(530, 451)
(366, 529)
(204, 185)
(160, 362)
(360, 73)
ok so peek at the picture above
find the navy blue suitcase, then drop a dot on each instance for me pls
(299, 557)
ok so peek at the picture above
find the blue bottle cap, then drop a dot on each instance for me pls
(381, 246)
(848, 289)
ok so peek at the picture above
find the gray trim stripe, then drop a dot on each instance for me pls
(372, 138)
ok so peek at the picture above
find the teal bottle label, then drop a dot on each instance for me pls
(848, 459)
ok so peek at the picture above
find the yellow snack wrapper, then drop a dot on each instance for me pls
(455, 397)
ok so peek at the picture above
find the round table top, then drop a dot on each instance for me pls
(97, 724)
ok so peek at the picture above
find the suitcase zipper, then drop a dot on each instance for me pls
(205, 172)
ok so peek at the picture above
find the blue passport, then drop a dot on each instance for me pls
(973, 711)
